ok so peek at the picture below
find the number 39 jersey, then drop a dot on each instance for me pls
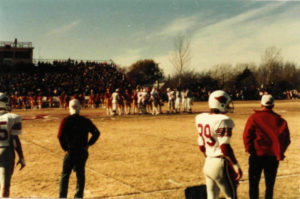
(213, 131)
(10, 124)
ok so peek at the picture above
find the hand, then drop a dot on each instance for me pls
(238, 171)
(22, 163)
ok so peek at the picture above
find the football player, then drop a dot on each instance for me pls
(134, 97)
(10, 128)
(154, 96)
(171, 100)
(184, 100)
(127, 102)
(221, 169)
(189, 100)
(177, 100)
(115, 97)
(108, 102)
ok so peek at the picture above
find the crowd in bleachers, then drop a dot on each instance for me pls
(54, 84)
(58, 79)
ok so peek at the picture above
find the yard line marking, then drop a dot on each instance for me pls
(118, 180)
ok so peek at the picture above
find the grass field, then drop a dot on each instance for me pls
(142, 156)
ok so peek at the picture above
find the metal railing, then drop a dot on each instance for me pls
(11, 44)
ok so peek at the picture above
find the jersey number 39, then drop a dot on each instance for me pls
(205, 131)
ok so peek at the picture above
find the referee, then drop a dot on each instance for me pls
(73, 137)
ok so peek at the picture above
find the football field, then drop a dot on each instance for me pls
(143, 156)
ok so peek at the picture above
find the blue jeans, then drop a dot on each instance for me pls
(73, 160)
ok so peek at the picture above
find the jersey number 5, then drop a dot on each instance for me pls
(205, 131)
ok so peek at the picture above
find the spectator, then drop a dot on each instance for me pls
(74, 140)
(266, 138)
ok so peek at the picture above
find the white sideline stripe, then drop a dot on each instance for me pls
(176, 188)
(277, 177)
(174, 182)
(289, 175)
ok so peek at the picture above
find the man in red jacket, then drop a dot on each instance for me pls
(266, 138)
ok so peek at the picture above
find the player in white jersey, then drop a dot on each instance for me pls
(155, 101)
(221, 169)
(140, 100)
(189, 100)
(115, 97)
(171, 100)
(184, 100)
(177, 100)
(10, 128)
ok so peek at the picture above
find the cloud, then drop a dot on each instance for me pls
(64, 28)
(244, 17)
(231, 40)
(178, 26)
(128, 57)
(165, 64)
(244, 37)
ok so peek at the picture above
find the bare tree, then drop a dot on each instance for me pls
(222, 72)
(271, 62)
(181, 57)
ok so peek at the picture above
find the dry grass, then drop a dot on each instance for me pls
(142, 156)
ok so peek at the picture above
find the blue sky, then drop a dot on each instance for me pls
(125, 31)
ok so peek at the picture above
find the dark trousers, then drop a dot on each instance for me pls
(269, 164)
(76, 161)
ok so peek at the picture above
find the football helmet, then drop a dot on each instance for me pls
(221, 101)
(4, 103)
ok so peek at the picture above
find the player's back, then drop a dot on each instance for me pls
(10, 124)
(115, 96)
(213, 131)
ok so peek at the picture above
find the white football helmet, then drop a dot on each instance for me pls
(221, 101)
(4, 103)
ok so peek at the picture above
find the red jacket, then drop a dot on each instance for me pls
(266, 133)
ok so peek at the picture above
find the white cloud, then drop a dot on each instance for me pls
(178, 26)
(64, 28)
(127, 58)
(242, 18)
(165, 64)
(244, 38)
